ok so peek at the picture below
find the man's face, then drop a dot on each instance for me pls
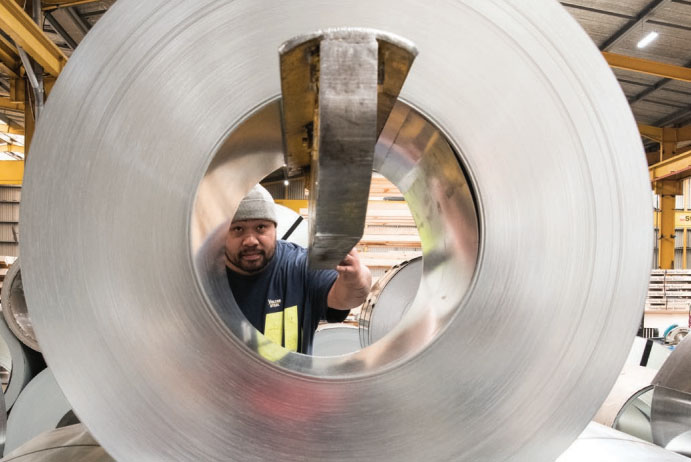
(250, 245)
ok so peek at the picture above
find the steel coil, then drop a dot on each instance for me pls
(336, 339)
(40, 407)
(389, 300)
(24, 363)
(602, 444)
(14, 307)
(68, 444)
(524, 313)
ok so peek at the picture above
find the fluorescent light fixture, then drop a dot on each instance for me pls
(645, 41)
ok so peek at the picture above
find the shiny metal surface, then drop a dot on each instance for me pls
(389, 300)
(336, 339)
(336, 98)
(635, 415)
(149, 346)
(68, 444)
(681, 444)
(671, 407)
(39, 408)
(14, 307)
(25, 363)
(3, 423)
(631, 381)
(603, 444)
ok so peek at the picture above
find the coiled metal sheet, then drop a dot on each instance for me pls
(40, 407)
(24, 363)
(388, 300)
(14, 308)
(155, 356)
(602, 444)
(671, 407)
(336, 339)
(68, 444)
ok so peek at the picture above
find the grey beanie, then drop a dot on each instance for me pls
(257, 205)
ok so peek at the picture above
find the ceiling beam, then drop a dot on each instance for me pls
(653, 88)
(27, 34)
(55, 24)
(5, 103)
(661, 134)
(9, 58)
(12, 148)
(78, 20)
(640, 18)
(52, 6)
(676, 168)
(10, 129)
(645, 66)
(675, 117)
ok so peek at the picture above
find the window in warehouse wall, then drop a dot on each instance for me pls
(682, 248)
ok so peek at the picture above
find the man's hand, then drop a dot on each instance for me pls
(353, 283)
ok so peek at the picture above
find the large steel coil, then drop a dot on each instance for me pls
(67, 444)
(388, 301)
(40, 407)
(516, 152)
(24, 363)
(14, 308)
(602, 444)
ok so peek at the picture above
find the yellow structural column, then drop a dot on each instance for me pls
(667, 190)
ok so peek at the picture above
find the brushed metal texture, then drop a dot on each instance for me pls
(136, 334)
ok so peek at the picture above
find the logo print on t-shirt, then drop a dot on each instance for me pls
(274, 303)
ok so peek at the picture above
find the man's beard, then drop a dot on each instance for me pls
(251, 267)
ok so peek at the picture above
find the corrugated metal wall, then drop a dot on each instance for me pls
(294, 191)
(9, 220)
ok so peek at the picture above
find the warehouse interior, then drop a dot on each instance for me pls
(492, 180)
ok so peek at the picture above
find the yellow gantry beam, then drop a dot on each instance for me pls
(11, 172)
(54, 5)
(661, 135)
(26, 34)
(646, 66)
(9, 58)
(5, 103)
(12, 148)
(676, 168)
(10, 130)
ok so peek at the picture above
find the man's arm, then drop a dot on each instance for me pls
(352, 285)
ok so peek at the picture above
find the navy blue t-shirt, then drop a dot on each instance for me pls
(286, 300)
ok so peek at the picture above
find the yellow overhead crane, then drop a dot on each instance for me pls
(25, 33)
(672, 165)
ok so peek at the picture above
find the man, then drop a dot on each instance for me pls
(272, 285)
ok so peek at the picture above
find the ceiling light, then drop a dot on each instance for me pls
(286, 182)
(645, 41)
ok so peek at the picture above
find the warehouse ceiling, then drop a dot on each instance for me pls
(615, 26)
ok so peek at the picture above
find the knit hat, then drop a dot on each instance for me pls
(257, 205)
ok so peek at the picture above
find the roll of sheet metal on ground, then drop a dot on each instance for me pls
(603, 444)
(14, 308)
(24, 363)
(389, 300)
(336, 339)
(622, 403)
(40, 407)
(68, 444)
(671, 406)
(154, 354)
